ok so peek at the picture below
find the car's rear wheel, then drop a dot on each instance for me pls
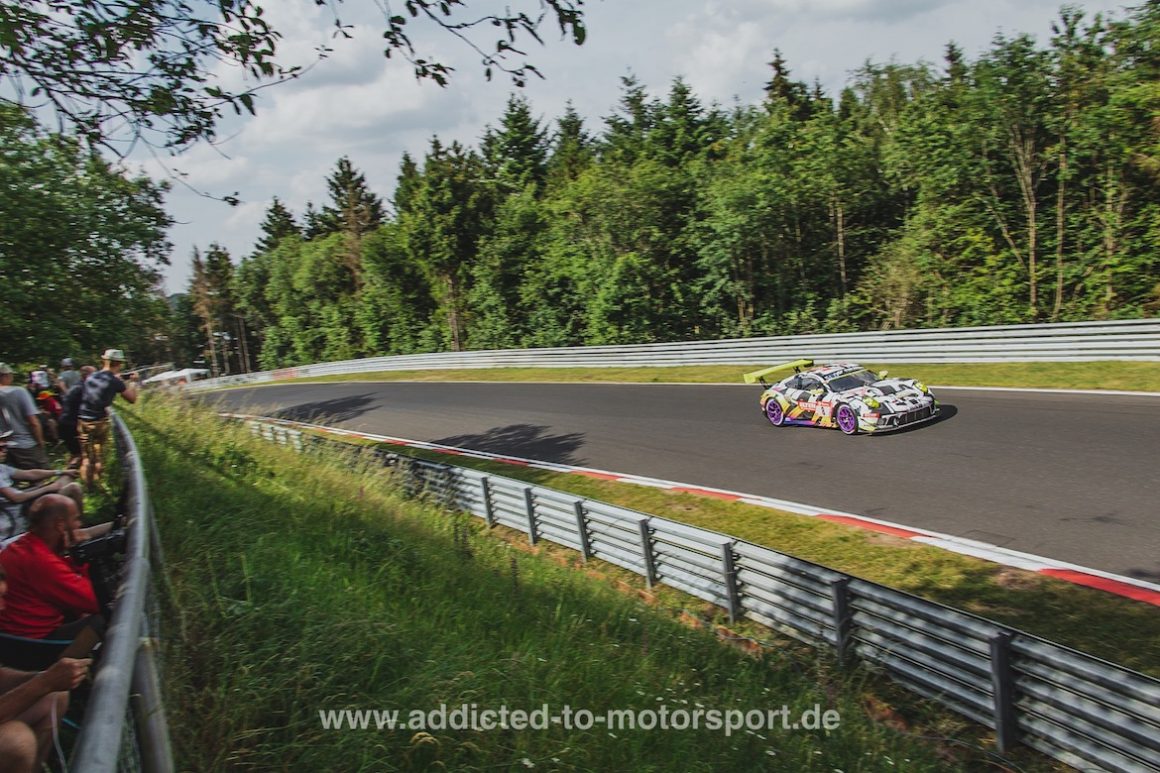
(847, 420)
(774, 412)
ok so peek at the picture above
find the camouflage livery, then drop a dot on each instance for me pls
(843, 395)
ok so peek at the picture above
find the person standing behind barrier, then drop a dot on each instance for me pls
(18, 412)
(70, 409)
(69, 376)
(99, 391)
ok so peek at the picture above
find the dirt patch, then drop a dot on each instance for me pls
(1017, 579)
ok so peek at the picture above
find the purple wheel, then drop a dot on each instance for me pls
(774, 412)
(847, 420)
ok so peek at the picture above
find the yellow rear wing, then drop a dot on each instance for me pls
(759, 375)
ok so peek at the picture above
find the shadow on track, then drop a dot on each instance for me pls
(327, 411)
(529, 441)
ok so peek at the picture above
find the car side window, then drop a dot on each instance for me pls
(810, 384)
(795, 382)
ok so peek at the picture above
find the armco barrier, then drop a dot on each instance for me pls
(109, 738)
(1137, 339)
(1079, 709)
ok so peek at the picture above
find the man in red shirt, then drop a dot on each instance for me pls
(30, 705)
(49, 596)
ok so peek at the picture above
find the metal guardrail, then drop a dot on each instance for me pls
(1137, 339)
(1079, 709)
(108, 740)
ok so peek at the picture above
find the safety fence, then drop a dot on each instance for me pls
(1137, 339)
(1076, 708)
(124, 724)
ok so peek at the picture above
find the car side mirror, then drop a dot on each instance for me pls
(883, 374)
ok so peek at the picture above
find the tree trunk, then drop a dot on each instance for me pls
(1060, 231)
(453, 320)
(840, 232)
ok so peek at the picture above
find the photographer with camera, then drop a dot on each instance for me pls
(50, 595)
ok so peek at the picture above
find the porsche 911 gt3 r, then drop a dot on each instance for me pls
(842, 395)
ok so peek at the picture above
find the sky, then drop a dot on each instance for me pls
(360, 104)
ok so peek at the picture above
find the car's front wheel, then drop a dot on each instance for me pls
(847, 420)
(774, 412)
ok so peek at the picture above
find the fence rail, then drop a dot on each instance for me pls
(1079, 709)
(109, 740)
(1137, 339)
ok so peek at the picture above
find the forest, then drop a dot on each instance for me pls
(1018, 187)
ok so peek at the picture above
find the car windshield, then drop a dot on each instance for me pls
(858, 378)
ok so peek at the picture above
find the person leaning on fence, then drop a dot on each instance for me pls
(14, 502)
(18, 413)
(100, 389)
(70, 407)
(49, 595)
(31, 705)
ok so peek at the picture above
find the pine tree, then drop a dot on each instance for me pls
(781, 90)
(278, 224)
(353, 208)
(211, 291)
(406, 184)
(626, 134)
(516, 154)
(571, 148)
(315, 225)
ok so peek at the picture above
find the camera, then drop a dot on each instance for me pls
(100, 547)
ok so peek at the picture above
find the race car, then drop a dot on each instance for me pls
(842, 395)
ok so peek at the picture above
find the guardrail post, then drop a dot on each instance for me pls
(530, 502)
(729, 574)
(840, 596)
(450, 501)
(582, 530)
(488, 508)
(1003, 690)
(650, 567)
(411, 483)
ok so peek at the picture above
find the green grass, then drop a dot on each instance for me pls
(1108, 626)
(298, 584)
(1129, 376)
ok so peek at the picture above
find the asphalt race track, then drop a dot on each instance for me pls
(1070, 477)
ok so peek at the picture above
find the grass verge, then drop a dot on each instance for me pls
(1127, 376)
(1111, 627)
(299, 584)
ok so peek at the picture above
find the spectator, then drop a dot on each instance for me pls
(70, 405)
(19, 414)
(100, 390)
(49, 596)
(14, 501)
(31, 704)
(69, 376)
(39, 379)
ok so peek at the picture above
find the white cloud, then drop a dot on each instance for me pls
(358, 103)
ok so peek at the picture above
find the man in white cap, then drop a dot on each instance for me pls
(19, 414)
(100, 389)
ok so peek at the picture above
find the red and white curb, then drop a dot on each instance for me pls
(1128, 587)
